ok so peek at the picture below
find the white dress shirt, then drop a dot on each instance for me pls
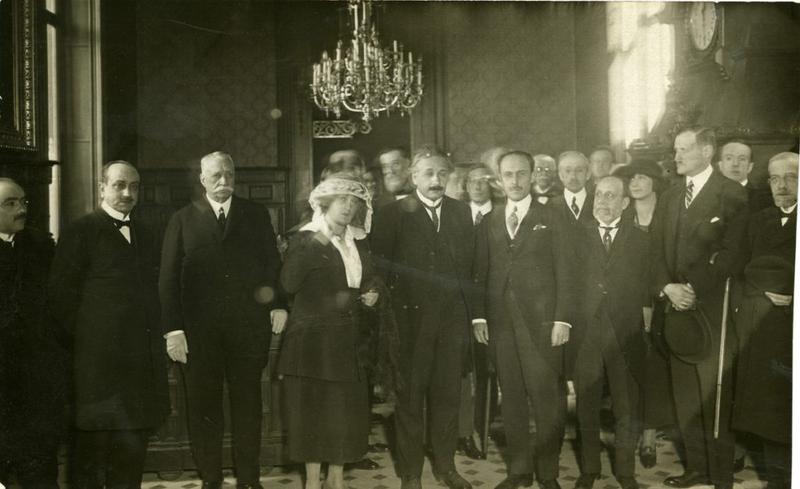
(699, 181)
(522, 207)
(8, 238)
(437, 205)
(614, 224)
(225, 206)
(125, 230)
(787, 210)
(484, 209)
(580, 199)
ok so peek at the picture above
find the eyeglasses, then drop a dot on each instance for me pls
(13, 203)
(790, 179)
(543, 170)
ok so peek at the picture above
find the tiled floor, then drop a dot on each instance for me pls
(481, 473)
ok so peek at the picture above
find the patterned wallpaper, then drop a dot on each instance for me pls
(206, 80)
(510, 79)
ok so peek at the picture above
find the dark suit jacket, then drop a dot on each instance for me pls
(709, 252)
(758, 198)
(563, 211)
(210, 278)
(764, 375)
(323, 332)
(534, 267)
(427, 273)
(616, 284)
(103, 292)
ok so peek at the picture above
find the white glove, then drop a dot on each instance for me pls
(177, 348)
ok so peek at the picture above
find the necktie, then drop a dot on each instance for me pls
(689, 193)
(221, 219)
(434, 216)
(478, 218)
(607, 237)
(785, 217)
(513, 221)
(121, 224)
(575, 209)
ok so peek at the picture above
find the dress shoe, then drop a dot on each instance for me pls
(549, 484)
(627, 483)
(738, 464)
(410, 483)
(452, 479)
(514, 481)
(467, 447)
(647, 456)
(364, 464)
(687, 479)
(586, 481)
(212, 485)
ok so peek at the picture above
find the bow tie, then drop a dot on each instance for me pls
(119, 224)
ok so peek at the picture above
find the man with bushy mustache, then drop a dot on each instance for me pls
(218, 285)
(423, 248)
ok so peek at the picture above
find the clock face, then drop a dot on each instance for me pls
(702, 24)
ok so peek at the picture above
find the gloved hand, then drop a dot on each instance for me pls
(177, 348)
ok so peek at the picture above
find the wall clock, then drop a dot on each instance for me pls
(703, 22)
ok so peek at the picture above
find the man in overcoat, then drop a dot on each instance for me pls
(103, 292)
(522, 303)
(423, 248)
(220, 302)
(32, 386)
(697, 243)
(610, 344)
(764, 323)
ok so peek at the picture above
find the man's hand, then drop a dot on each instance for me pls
(369, 298)
(560, 334)
(177, 348)
(778, 299)
(481, 331)
(647, 317)
(681, 296)
(278, 317)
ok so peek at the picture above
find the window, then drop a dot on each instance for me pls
(643, 57)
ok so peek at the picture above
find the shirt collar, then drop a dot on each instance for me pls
(745, 182)
(614, 223)
(428, 202)
(114, 213)
(789, 210)
(8, 238)
(540, 190)
(319, 224)
(484, 208)
(700, 179)
(522, 206)
(225, 206)
(580, 196)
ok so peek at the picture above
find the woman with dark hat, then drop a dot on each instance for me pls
(328, 272)
(645, 183)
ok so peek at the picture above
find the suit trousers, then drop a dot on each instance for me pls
(529, 383)
(433, 372)
(694, 390)
(217, 356)
(600, 357)
(109, 459)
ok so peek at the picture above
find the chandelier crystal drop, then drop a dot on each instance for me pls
(362, 76)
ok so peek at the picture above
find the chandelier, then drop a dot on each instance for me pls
(363, 77)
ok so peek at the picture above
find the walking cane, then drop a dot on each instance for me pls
(486, 414)
(724, 330)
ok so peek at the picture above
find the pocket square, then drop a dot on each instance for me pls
(539, 226)
(714, 219)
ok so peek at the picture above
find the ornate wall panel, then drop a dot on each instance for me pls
(510, 79)
(206, 82)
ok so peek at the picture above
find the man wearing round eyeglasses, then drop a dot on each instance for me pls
(30, 407)
(764, 318)
(545, 185)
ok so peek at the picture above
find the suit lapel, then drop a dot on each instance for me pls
(618, 244)
(420, 218)
(107, 225)
(524, 227)
(208, 218)
(233, 218)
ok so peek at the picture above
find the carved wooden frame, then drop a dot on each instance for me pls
(19, 134)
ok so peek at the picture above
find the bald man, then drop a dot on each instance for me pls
(103, 291)
(30, 361)
(218, 285)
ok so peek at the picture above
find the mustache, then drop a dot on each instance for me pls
(435, 187)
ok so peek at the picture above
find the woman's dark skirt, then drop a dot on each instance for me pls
(326, 421)
(659, 410)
